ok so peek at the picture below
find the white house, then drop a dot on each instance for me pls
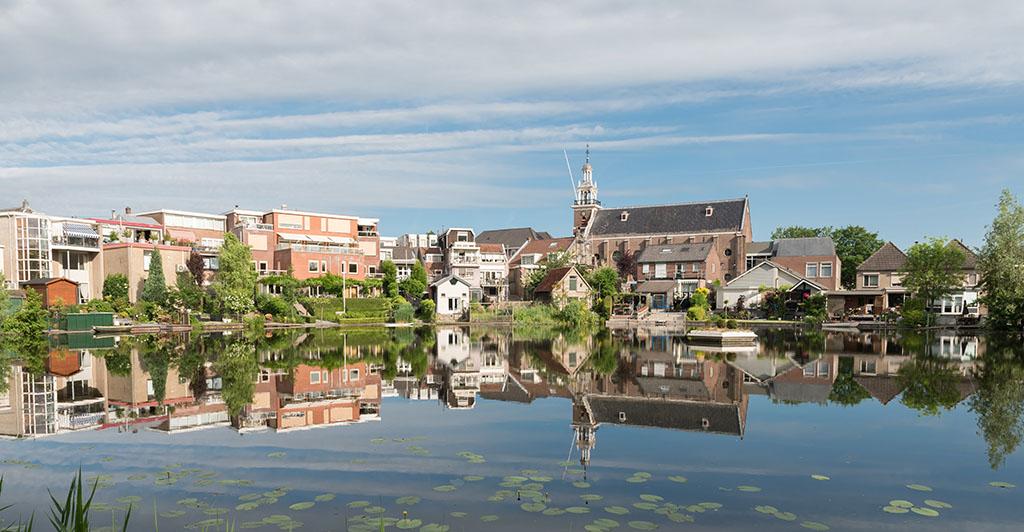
(451, 295)
(764, 275)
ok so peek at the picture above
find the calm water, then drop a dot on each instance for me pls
(517, 429)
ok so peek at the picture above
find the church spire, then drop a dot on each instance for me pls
(586, 191)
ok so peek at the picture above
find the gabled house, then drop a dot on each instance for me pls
(451, 295)
(512, 239)
(814, 258)
(531, 257)
(749, 286)
(561, 285)
(671, 272)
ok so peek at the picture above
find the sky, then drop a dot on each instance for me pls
(906, 118)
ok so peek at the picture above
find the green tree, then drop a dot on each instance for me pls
(155, 358)
(237, 367)
(934, 269)
(31, 321)
(815, 308)
(115, 290)
(390, 278)
(1001, 266)
(854, 244)
(604, 281)
(235, 282)
(551, 262)
(699, 305)
(846, 391)
(798, 231)
(417, 283)
(189, 293)
(999, 405)
(154, 289)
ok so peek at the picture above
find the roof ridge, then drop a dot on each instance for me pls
(672, 204)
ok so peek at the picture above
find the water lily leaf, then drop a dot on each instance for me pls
(406, 524)
(642, 474)
(251, 524)
(820, 477)
(766, 509)
(617, 510)
(677, 478)
(375, 510)
(540, 478)
(636, 480)
(937, 504)
(578, 510)
(407, 500)
(434, 527)
(593, 528)
(680, 518)
(304, 505)
(378, 441)
(207, 524)
(710, 505)
(696, 508)
(472, 478)
(1003, 485)
(900, 503)
(216, 511)
(140, 476)
(750, 489)
(652, 498)
(172, 514)
(919, 487)
(645, 506)
(582, 484)
(895, 510)
(324, 497)
(246, 506)
(191, 501)
(553, 511)
(604, 522)
(458, 514)
(444, 488)
(814, 525)
(488, 518)
(129, 499)
(250, 497)
(277, 454)
(785, 516)
(642, 525)
(591, 497)
(927, 512)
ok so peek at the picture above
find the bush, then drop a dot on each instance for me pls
(273, 305)
(404, 313)
(577, 315)
(98, 305)
(426, 310)
(914, 313)
(696, 313)
(730, 324)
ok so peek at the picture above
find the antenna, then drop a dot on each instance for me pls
(569, 168)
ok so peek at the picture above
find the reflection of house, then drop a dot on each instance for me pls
(67, 397)
(137, 390)
(469, 366)
(316, 396)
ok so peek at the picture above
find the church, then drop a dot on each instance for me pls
(699, 241)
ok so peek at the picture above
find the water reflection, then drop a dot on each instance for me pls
(294, 381)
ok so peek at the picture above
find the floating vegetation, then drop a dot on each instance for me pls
(216, 511)
(820, 477)
(578, 510)
(277, 454)
(590, 497)
(247, 506)
(129, 499)
(927, 512)
(677, 478)
(406, 524)
(642, 525)
(407, 500)
(938, 504)
(472, 478)
(250, 497)
(582, 484)
(541, 478)
(458, 515)
(434, 527)
(652, 498)
(919, 487)
(617, 510)
(138, 476)
(814, 525)
(304, 505)
(750, 489)
(785, 516)
(488, 518)
(900, 503)
(1003, 485)
(358, 504)
(645, 506)
(553, 511)
(765, 509)
(533, 507)
(374, 510)
(472, 457)
(679, 518)
(710, 505)
(636, 480)
(172, 514)
(604, 522)
(894, 510)
(444, 488)
(191, 501)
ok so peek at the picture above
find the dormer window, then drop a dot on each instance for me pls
(624, 216)
(709, 210)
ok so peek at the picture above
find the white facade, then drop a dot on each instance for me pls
(451, 296)
(748, 285)
(414, 240)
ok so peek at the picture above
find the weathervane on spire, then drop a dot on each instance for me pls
(588, 152)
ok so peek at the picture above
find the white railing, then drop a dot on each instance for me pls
(320, 249)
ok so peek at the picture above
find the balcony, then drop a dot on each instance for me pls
(78, 243)
(268, 273)
(252, 226)
(312, 248)
(472, 260)
(368, 233)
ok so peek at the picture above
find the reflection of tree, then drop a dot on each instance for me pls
(155, 358)
(999, 404)
(845, 390)
(605, 356)
(237, 368)
(929, 384)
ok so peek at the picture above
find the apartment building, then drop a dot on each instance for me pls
(309, 244)
(493, 272)
(462, 258)
(420, 240)
(133, 259)
(200, 231)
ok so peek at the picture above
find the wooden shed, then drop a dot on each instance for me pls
(55, 290)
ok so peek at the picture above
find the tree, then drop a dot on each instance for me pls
(189, 293)
(929, 384)
(604, 281)
(815, 308)
(551, 262)
(999, 404)
(699, 305)
(854, 244)
(238, 368)
(1001, 266)
(235, 282)
(625, 263)
(416, 284)
(154, 289)
(798, 231)
(31, 321)
(115, 290)
(197, 267)
(390, 275)
(934, 269)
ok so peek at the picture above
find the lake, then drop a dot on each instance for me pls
(516, 429)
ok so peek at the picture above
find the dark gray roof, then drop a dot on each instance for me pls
(804, 247)
(684, 218)
(675, 253)
(888, 258)
(800, 392)
(674, 388)
(759, 247)
(403, 254)
(723, 418)
(511, 238)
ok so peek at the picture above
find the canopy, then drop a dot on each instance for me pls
(80, 231)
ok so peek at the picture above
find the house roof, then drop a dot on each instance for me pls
(512, 238)
(882, 388)
(800, 392)
(796, 277)
(453, 278)
(722, 418)
(818, 246)
(759, 248)
(691, 252)
(888, 258)
(403, 253)
(542, 247)
(682, 218)
(45, 281)
(490, 248)
(553, 277)
(970, 259)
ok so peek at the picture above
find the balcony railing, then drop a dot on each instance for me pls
(76, 242)
(368, 233)
(474, 260)
(255, 226)
(308, 248)
(268, 273)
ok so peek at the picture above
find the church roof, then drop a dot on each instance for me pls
(682, 218)
(722, 418)
(675, 253)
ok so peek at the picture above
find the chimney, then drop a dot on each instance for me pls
(127, 211)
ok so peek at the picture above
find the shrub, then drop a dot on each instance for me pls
(696, 313)
(273, 305)
(404, 313)
(577, 315)
(730, 324)
(914, 313)
(717, 320)
(426, 310)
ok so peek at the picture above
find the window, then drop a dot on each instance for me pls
(825, 270)
(73, 261)
(353, 375)
(147, 257)
(462, 237)
(353, 267)
(870, 280)
(811, 270)
(314, 377)
(867, 367)
(211, 263)
(646, 268)
(694, 267)
(623, 216)
(660, 270)
(728, 252)
(314, 266)
(972, 279)
(573, 282)
(709, 210)
(263, 266)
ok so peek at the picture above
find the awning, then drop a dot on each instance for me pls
(182, 236)
(342, 240)
(80, 231)
(295, 237)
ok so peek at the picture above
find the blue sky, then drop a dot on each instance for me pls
(907, 119)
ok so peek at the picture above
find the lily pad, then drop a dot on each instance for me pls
(642, 474)
(489, 518)
(434, 527)
(642, 525)
(324, 497)
(820, 477)
(458, 515)
(785, 516)
(207, 524)
(533, 507)
(277, 454)
(710, 505)
(444, 488)
(814, 525)
(649, 506)
(582, 484)
(407, 500)
(129, 499)
(617, 510)
(604, 522)
(406, 524)
(1003, 485)
(636, 480)
(750, 489)
(894, 510)
(216, 511)
(250, 497)
(304, 505)
(919, 487)
(652, 498)
(927, 512)
(591, 497)
(553, 511)
(140, 476)
(937, 504)
(172, 514)
(677, 478)
(765, 509)
(246, 506)
(578, 510)
(472, 478)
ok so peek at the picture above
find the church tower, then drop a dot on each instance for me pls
(586, 202)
